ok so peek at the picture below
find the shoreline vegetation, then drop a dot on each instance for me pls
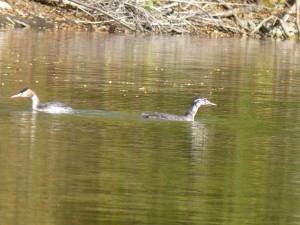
(217, 18)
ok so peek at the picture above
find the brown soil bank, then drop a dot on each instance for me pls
(217, 18)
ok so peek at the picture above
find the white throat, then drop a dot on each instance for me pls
(35, 102)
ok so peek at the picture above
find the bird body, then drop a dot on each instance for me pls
(165, 116)
(49, 107)
(188, 116)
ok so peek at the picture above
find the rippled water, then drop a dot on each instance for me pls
(238, 163)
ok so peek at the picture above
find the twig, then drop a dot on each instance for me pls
(145, 14)
(105, 13)
(22, 23)
(261, 24)
(285, 28)
(169, 5)
(227, 13)
(297, 15)
(90, 22)
(10, 20)
(15, 21)
(290, 11)
(217, 3)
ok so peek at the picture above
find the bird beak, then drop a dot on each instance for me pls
(17, 95)
(210, 103)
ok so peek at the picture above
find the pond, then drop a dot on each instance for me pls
(237, 163)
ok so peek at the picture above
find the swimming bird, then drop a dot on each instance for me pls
(188, 116)
(49, 107)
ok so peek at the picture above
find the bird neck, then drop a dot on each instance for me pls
(35, 102)
(191, 112)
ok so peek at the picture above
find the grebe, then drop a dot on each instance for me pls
(49, 107)
(188, 116)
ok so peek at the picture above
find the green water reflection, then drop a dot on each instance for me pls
(236, 164)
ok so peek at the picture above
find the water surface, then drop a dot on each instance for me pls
(238, 163)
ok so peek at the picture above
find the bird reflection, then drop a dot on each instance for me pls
(199, 141)
(27, 130)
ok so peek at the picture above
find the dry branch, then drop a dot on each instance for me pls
(285, 28)
(288, 13)
(261, 24)
(104, 13)
(297, 15)
(185, 16)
